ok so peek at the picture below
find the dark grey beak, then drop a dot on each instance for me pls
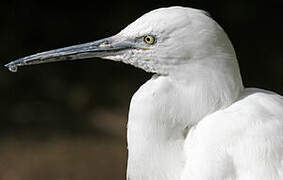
(101, 48)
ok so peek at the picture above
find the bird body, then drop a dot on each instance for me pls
(242, 141)
(193, 120)
(162, 111)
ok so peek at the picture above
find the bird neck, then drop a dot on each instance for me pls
(210, 85)
(165, 106)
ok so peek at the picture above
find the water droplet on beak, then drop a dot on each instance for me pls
(13, 68)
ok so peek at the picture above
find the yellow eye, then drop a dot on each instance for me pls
(149, 39)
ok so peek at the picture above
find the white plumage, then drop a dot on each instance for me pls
(234, 133)
(240, 142)
(193, 120)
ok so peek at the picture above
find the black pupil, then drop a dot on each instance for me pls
(148, 39)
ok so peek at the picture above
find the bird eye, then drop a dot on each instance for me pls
(149, 39)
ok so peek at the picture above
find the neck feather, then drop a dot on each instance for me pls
(210, 85)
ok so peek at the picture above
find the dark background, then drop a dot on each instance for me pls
(68, 120)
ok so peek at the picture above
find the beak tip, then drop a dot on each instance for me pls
(7, 65)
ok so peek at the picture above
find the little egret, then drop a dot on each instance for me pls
(193, 120)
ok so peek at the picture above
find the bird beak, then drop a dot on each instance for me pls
(101, 48)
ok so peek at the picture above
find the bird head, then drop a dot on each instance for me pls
(158, 42)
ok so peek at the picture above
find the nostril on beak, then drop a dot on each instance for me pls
(105, 43)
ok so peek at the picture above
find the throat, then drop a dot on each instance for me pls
(155, 137)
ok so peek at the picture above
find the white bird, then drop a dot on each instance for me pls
(193, 120)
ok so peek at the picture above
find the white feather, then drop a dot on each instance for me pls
(234, 133)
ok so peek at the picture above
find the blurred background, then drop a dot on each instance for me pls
(67, 120)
